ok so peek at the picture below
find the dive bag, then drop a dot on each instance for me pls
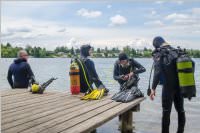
(128, 91)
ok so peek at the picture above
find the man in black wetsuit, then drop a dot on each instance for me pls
(86, 51)
(126, 68)
(20, 72)
(170, 91)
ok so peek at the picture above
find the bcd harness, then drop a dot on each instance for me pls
(184, 69)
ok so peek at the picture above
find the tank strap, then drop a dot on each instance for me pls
(74, 73)
(187, 70)
(84, 73)
(131, 69)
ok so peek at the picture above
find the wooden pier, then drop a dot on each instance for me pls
(53, 112)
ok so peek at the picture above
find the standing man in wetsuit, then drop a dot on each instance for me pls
(125, 69)
(20, 72)
(85, 52)
(170, 91)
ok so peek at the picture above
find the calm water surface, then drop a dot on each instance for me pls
(148, 120)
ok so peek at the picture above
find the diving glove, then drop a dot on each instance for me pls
(106, 89)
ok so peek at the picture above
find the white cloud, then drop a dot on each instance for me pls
(186, 22)
(89, 13)
(140, 43)
(73, 42)
(153, 12)
(117, 20)
(50, 34)
(176, 16)
(179, 2)
(160, 2)
(28, 27)
(19, 29)
(196, 11)
(109, 6)
(47, 34)
(189, 21)
(62, 29)
(30, 31)
(5, 34)
(183, 24)
(154, 23)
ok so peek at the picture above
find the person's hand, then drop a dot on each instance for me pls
(131, 74)
(126, 77)
(153, 94)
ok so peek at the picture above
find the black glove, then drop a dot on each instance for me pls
(103, 86)
(32, 80)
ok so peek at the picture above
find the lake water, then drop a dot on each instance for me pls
(148, 120)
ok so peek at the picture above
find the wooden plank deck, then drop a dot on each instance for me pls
(54, 112)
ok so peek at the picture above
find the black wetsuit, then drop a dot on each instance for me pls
(170, 92)
(134, 67)
(90, 70)
(91, 75)
(19, 74)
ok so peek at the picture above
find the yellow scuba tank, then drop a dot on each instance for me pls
(74, 78)
(185, 68)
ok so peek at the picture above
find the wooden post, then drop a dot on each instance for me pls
(94, 131)
(136, 108)
(126, 122)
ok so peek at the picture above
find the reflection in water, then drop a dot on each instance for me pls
(148, 120)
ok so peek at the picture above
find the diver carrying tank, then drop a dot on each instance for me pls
(185, 69)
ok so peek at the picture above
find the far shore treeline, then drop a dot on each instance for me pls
(8, 51)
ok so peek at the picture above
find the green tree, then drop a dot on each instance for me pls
(127, 50)
(72, 51)
(98, 50)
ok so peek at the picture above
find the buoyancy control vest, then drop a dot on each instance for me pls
(184, 68)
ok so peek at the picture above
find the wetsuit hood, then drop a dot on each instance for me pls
(158, 42)
(19, 60)
(85, 50)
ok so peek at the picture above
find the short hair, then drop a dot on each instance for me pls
(21, 52)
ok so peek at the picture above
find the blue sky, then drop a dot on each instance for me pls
(113, 24)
